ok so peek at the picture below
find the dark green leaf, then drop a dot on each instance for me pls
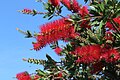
(50, 17)
(48, 57)
(34, 12)
(85, 1)
(29, 35)
(40, 72)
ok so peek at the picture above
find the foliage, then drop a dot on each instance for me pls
(92, 34)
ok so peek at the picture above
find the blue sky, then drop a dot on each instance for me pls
(13, 45)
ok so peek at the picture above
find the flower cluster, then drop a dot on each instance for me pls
(23, 76)
(84, 12)
(109, 36)
(55, 2)
(94, 53)
(92, 36)
(54, 31)
(110, 55)
(26, 76)
(110, 25)
(58, 50)
(88, 54)
(71, 5)
(27, 11)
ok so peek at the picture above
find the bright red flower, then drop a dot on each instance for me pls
(72, 5)
(55, 2)
(117, 20)
(54, 31)
(75, 6)
(37, 46)
(88, 54)
(85, 24)
(60, 74)
(83, 11)
(111, 55)
(58, 50)
(23, 76)
(27, 11)
(109, 36)
(66, 3)
(110, 26)
(36, 77)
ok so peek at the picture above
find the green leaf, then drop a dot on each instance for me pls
(117, 13)
(101, 6)
(46, 16)
(54, 45)
(34, 12)
(28, 35)
(94, 23)
(49, 58)
(50, 17)
(93, 38)
(106, 1)
(94, 12)
(50, 63)
(100, 26)
(40, 72)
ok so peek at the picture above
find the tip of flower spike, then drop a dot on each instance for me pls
(38, 0)
(24, 59)
(17, 29)
(36, 46)
(58, 50)
(69, 20)
(19, 10)
(23, 76)
(31, 49)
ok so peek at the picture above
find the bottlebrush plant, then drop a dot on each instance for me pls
(92, 34)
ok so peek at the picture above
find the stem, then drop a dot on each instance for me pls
(42, 12)
(89, 18)
(115, 26)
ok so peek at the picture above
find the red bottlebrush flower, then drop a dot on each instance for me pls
(71, 5)
(75, 6)
(53, 31)
(55, 2)
(109, 36)
(96, 67)
(60, 74)
(89, 53)
(117, 20)
(36, 77)
(83, 11)
(27, 11)
(37, 46)
(66, 3)
(23, 76)
(85, 24)
(111, 55)
(58, 50)
(110, 26)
